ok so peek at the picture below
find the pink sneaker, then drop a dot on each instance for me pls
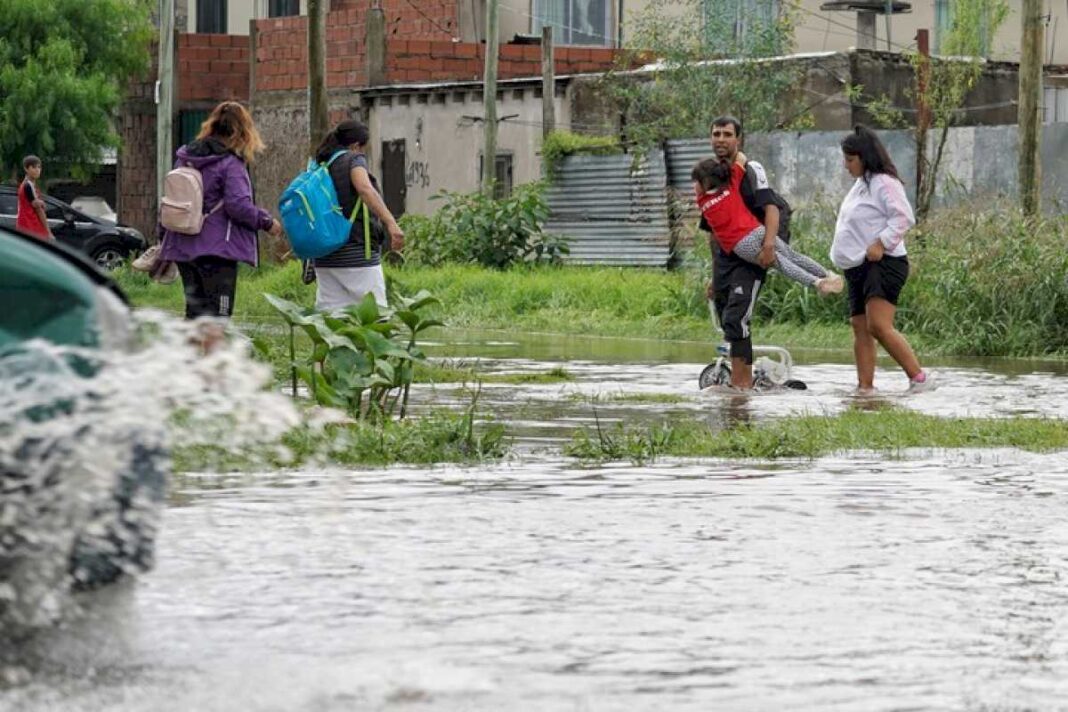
(924, 382)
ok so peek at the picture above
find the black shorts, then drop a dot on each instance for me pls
(883, 279)
(210, 284)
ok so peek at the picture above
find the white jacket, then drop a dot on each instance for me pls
(879, 211)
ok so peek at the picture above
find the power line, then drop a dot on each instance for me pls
(430, 19)
(797, 6)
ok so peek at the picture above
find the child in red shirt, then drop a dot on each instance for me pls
(30, 217)
(717, 186)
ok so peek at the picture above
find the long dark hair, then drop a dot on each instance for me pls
(341, 137)
(872, 153)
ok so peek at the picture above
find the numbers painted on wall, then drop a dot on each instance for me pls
(418, 174)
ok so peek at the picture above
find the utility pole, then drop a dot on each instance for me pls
(1028, 118)
(548, 82)
(318, 112)
(489, 101)
(165, 96)
(923, 110)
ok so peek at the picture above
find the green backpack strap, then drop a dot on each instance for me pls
(366, 226)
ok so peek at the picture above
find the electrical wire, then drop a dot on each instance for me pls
(430, 19)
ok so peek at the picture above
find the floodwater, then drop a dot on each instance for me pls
(852, 582)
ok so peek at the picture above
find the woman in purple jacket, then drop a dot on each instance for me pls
(228, 141)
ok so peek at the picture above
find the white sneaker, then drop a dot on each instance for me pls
(929, 383)
(831, 284)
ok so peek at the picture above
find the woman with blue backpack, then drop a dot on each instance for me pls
(207, 214)
(354, 270)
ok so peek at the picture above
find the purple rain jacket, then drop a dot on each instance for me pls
(229, 232)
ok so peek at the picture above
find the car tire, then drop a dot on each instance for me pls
(109, 256)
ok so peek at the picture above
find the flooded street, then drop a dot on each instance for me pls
(852, 582)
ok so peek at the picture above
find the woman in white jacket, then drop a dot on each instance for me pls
(869, 246)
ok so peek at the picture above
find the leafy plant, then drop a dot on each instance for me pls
(362, 358)
(560, 144)
(706, 66)
(63, 67)
(942, 84)
(472, 227)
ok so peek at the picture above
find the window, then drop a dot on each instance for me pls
(55, 211)
(575, 22)
(211, 17)
(743, 26)
(502, 186)
(9, 203)
(967, 35)
(283, 8)
(943, 20)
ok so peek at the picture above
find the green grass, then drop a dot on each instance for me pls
(888, 431)
(440, 436)
(983, 283)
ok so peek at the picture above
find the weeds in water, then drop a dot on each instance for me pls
(361, 359)
(438, 436)
(889, 431)
(638, 445)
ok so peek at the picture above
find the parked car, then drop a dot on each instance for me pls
(106, 243)
(96, 207)
(59, 312)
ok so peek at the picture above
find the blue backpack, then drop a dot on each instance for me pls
(311, 214)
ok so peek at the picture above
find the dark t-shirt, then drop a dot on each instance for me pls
(757, 194)
(28, 191)
(353, 253)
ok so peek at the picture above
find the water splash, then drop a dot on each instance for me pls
(85, 437)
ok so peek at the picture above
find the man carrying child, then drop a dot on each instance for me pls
(736, 283)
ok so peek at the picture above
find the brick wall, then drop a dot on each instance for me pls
(423, 60)
(281, 51)
(212, 67)
(281, 54)
(136, 179)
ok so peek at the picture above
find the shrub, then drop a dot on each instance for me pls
(560, 144)
(472, 227)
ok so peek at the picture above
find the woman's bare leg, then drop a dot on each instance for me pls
(863, 352)
(880, 317)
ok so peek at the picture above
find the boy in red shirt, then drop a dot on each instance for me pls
(31, 211)
(717, 186)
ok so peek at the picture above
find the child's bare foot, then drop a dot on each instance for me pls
(831, 284)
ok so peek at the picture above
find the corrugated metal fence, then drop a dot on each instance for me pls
(618, 216)
(613, 211)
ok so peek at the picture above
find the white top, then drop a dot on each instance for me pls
(880, 211)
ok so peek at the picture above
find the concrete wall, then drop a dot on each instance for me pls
(443, 145)
(979, 164)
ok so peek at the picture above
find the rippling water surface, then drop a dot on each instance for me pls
(854, 582)
(850, 583)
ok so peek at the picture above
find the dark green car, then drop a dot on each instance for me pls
(58, 311)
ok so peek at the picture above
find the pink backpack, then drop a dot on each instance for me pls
(182, 205)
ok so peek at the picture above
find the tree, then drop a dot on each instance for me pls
(950, 78)
(63, 67)
(712, 57)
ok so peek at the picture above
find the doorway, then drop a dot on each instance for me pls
(394, 188)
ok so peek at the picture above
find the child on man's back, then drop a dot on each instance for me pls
(717, 187)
